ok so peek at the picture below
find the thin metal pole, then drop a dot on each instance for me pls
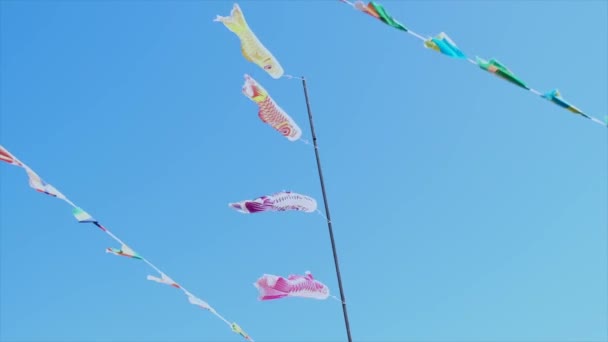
(331, 232)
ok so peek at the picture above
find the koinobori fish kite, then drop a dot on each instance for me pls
(275, 287)
(280, 201)
(251, 47)
(443, 44)
(82, 216)
(269, 111)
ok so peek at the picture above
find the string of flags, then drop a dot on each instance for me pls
(38, 184)
(444, 45)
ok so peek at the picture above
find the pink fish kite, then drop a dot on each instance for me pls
(275, 287)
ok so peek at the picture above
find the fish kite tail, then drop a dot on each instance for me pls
(266, 292)
(241, 208)
(235, 22)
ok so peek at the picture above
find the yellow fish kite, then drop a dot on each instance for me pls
(251, 47)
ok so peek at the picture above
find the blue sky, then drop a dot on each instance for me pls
(464, 208)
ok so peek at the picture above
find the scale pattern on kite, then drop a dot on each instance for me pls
(253, 50)
(269, 112)
(275, 287)
(280, 201)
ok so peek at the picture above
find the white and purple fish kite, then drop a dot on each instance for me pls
(280, 201)
(275, 287)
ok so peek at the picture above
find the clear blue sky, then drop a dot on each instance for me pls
(465, 208)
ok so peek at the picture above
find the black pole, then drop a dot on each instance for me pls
(331, 231)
